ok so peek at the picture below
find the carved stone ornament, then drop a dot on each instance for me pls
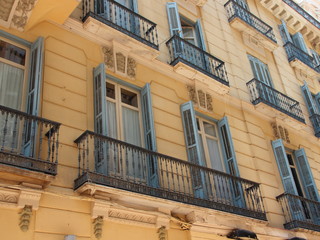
(192, 93)
(121, 62)
(5, 9)
(25, 216)
(202, 98)
(131, 217)
(8, 196)
(97, 226)
(162, 232)
(108, 57)
(280, 132)
(21, 15)
(209, 102)
(131, 68)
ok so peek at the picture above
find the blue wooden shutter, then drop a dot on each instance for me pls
(100, 118)
(35, 77)
(308, 99)
(228, 148)
(174, 19)
(100, 105)
(284, 32)
(317, 100)
(33, 95)
(284, 168)
(149, 134)
(316, 57)
(200, 36)
(231, 164)
(193, 147)
(306, 176)
(299, 42)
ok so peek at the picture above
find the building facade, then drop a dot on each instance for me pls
(137, 119)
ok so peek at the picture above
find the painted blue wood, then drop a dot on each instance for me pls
(308, 99)
(33, 94)
(149, 135)
(193, 146)
(306, 176)
(15, 39)
(286, 37)
(284, 168)
(199, 32)
(299, 42)
(174, 19)
(100, 116)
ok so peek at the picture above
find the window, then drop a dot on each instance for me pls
(183, 27)
(295, 171)
(20, 79)
(123, 113)
(210, 144)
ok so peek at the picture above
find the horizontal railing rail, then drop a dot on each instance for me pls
(28, 141)
(261, 92)
(182, 50)
(294, 52)
(110, 162)
(123, 19)
(300, 212)
(234, 10)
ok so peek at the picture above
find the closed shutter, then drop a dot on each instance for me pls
(308, 99)
(230, 161)
(174, 19)
(193, 147)
(316, 57)
(299, 42)
(260, 70)
(100, 117)
(305, 173)
(284, 168)
(285, 35)
(149, 134)
(33, 95)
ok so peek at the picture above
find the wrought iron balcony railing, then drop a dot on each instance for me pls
(293, 52)
(110, 162)
(28, 141)
(260, 92)
(300, 212)
(302, 12)
(315, 120)
(234, 10)
(181, 50)
(122, 19)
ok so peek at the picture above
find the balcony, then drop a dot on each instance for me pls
(28, 147)
(114, 164)
(114, 22)
(193, 62)
(301, 60)
(315, 120)
(243, 20)
(299, 212)
(275, 104)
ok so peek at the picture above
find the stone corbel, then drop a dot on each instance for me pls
(197, 217)
(199, 3)
(100, 208)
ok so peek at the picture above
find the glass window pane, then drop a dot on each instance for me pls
(213, 148)
(110, 90)
(209, 129)
(12, 53)
(129, 98)
(131, 126)
(112, 120)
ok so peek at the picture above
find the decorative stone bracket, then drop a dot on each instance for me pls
(97, 227)
(25, 217)
(280, 132)
(118, 61)
(201, 98)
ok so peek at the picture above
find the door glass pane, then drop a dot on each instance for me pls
(209, 129)
(12, 53)
(213, 148)
(110, 90)
(129, 98)
(131, 126)
(112, 120)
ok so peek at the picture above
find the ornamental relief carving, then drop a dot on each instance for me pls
(8, 197)
(22, 12)
(6, 8)
(200, 97)
(131, 218)
(280, 132)
(119, 62)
